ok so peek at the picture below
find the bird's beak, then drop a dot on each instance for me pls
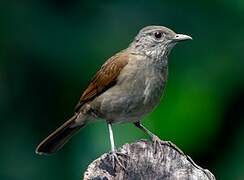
(181, 37)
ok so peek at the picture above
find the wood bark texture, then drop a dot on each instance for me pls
(142, 162)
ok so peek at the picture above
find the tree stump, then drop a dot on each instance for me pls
(168, 163)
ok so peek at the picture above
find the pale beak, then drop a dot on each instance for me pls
(181, 37)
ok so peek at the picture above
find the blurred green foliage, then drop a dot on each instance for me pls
(49, 50)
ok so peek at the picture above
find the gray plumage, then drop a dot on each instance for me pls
(126, 88)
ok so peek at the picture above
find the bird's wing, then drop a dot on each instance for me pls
(104, 79)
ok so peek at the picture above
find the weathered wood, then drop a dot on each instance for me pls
(168, 163)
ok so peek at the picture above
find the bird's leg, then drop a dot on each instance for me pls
(156, 141)
(114, 155)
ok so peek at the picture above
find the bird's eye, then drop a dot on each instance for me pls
(158, 35)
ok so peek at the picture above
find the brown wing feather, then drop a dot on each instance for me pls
(104, 79)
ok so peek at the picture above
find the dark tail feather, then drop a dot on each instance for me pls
(59, 137)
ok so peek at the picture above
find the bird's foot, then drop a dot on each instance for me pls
(156, 143)
(118, 158)
(170, 144)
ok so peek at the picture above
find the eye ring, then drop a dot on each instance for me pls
(158, 35)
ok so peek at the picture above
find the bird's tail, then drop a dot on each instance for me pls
(60, 136)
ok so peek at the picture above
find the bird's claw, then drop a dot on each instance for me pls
(170, 144)
(156, 143)
(117, 158)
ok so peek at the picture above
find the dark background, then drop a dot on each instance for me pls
(50, 49)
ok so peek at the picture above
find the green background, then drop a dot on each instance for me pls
(50, 49)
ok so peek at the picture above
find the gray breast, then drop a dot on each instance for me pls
(138, 90)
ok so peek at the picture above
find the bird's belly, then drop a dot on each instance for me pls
(129, 103)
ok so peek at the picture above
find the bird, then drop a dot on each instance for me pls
(128, 86)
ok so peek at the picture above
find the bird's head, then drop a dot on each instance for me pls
(157, 40)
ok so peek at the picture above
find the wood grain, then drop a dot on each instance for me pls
(168, 163)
